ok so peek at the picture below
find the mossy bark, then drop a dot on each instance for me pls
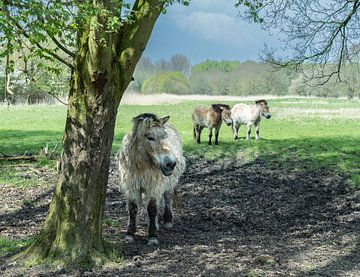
(103, 68)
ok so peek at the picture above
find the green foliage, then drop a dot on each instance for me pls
(27, 203)
(110, 222)
(253, 7)
(210, 66)
(245, 78)
(166, 82)
(11, 246)
(201, 84)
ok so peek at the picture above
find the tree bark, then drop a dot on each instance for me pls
(72, 233)
(103, 67)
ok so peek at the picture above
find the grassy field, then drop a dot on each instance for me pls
(319, 132)
(302, 137)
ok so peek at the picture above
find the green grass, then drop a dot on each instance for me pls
(10, 246)
(331, 141)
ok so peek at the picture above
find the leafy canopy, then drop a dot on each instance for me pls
(48, 29)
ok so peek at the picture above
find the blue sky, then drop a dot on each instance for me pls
(207, 29)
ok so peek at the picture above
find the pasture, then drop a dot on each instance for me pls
(287, 205)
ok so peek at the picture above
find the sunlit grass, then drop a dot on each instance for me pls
(295, 137)
(10, 246)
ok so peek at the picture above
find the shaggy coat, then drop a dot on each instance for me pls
(210, 117)
(150, 164)
(249, 115)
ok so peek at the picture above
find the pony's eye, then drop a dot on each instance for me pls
(150, 138)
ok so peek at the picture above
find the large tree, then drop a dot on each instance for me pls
(100, 41)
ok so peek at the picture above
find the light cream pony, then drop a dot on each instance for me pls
(150, 164)
(249, 115)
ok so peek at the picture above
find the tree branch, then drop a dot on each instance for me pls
(25, 34)
(62, 47)
(319, 35)
(57, 98)
(136, 33)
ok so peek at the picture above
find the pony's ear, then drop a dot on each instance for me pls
(164, 120)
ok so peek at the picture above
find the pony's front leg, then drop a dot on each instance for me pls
(168, 215)
(248, 132)
(257, 131)
(131, 230)
(217, 129)
(210, 134)
(235, 127)
(152, 212)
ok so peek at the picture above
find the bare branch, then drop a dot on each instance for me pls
(56, 97)
(320, 35)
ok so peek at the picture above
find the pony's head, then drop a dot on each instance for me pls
(150, 134)
(264, 108)
(225, 111)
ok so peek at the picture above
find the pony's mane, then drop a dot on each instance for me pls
(149, 119)
(219, 107)
(257, 102)
(143, 116)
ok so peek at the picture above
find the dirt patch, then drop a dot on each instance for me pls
(237, 219)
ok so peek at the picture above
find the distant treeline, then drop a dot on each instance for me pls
(177, 76)
(35, 83)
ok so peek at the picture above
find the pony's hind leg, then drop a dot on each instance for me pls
(217, 129)
(197, 133)
(152, 212)
(210, 134)
(131, 230)
(168, 215)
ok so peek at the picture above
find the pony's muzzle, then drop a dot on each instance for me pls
(228, 122)
(168, 165)
(267, 115)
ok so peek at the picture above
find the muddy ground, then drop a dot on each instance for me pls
(237, 219)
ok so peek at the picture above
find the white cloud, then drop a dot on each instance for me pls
(208, 25)
(218, 6)
(208, 29)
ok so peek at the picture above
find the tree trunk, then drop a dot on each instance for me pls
(72, 233)
(103, 68)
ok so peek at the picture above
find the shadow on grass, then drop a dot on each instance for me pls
(341, 154)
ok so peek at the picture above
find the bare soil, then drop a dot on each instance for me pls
(237, 219)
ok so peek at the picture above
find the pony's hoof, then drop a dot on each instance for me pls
(128, 239)
(153, 242)
(168, 225)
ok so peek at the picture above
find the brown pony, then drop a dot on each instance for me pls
(210, 117)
